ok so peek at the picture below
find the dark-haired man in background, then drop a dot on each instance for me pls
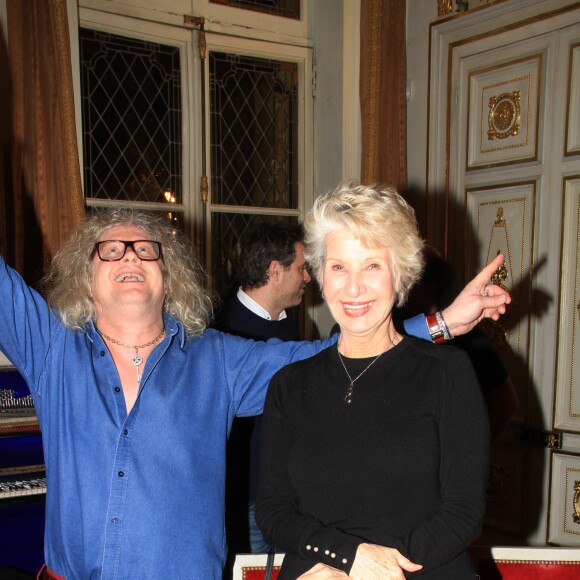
(273, 276)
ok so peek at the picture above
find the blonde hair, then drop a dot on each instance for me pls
(68, 283)
(377, 216)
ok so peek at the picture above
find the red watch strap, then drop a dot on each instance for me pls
(435, 329)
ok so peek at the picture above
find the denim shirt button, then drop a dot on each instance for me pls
(102, 353)
(121, 473)
(126, 431)
(114, 521)
(117, 389)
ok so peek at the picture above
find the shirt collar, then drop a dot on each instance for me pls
(254, 307)
(172, 328)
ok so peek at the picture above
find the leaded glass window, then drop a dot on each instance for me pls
(232, 228)
(131, 106)
(254, 130)
(254, 152)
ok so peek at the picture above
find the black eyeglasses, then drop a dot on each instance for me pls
(114, 250)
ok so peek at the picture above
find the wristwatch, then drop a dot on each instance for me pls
(435, 329)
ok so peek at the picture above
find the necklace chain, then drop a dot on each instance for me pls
(151, 342)
(350, 389)
(137, 360)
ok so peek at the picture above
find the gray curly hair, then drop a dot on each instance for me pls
(377, 216)
(68, 282)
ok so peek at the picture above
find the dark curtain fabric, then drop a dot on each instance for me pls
(44, 200)
(383, 80)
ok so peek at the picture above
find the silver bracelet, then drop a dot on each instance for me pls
(443, 325)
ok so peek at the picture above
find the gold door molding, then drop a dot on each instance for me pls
(504, 222)
(564, 521)
(502, 217)
(504, 102)
(567, 408)
(572, 146)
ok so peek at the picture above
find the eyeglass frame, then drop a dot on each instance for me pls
(127, 244)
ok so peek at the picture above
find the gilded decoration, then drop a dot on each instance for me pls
(444, 7)
(571, 511)
(495, 215)
(504, 115)
(500, 276)
(576, 502)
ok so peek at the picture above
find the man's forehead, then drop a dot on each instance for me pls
(299, 250)
(125, 231)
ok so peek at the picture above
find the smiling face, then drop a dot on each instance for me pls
(129, 281)
(358, 286)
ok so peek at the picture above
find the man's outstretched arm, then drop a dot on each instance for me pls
(478, 300)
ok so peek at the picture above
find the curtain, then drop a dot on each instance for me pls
(383, 81)
(44, 202)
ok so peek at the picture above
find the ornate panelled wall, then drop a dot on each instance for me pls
(503, 175)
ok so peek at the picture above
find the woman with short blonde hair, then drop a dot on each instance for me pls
(374, 451)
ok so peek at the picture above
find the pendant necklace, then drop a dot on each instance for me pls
(137, 359)
(350, 388)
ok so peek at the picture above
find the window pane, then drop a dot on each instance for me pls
(131, 105)
(228, 232)
(288, 8)
(175, 218)
(254, 131)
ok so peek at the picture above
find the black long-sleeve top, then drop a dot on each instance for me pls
(404, 465)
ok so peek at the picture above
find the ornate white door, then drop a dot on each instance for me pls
(504, 175)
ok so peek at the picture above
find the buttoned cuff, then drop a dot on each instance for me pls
(338, 551)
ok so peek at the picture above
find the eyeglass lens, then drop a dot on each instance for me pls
(112, 250)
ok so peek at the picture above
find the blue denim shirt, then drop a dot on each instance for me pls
(138, 495)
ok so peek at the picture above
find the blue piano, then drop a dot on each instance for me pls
(22, 478)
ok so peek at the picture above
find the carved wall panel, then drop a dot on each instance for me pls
(504, 144)
(567, 411)
(503, 111)
(564, 526)
(503, 216)
(572, 146)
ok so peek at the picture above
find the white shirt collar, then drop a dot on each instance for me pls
(252, 305)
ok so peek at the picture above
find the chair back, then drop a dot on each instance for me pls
(524, 563)
(253, 566)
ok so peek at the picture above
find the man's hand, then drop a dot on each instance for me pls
(374, 562)
(323, 572)
(478, 300)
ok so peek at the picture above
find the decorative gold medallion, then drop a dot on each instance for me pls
(504, 115)
(444, 7)
(576, 503)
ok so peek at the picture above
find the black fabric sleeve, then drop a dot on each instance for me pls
(464, 443)
(277, 510)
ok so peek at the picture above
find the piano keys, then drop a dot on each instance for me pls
(22, 483)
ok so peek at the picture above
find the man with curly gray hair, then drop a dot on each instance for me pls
(135, 398)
